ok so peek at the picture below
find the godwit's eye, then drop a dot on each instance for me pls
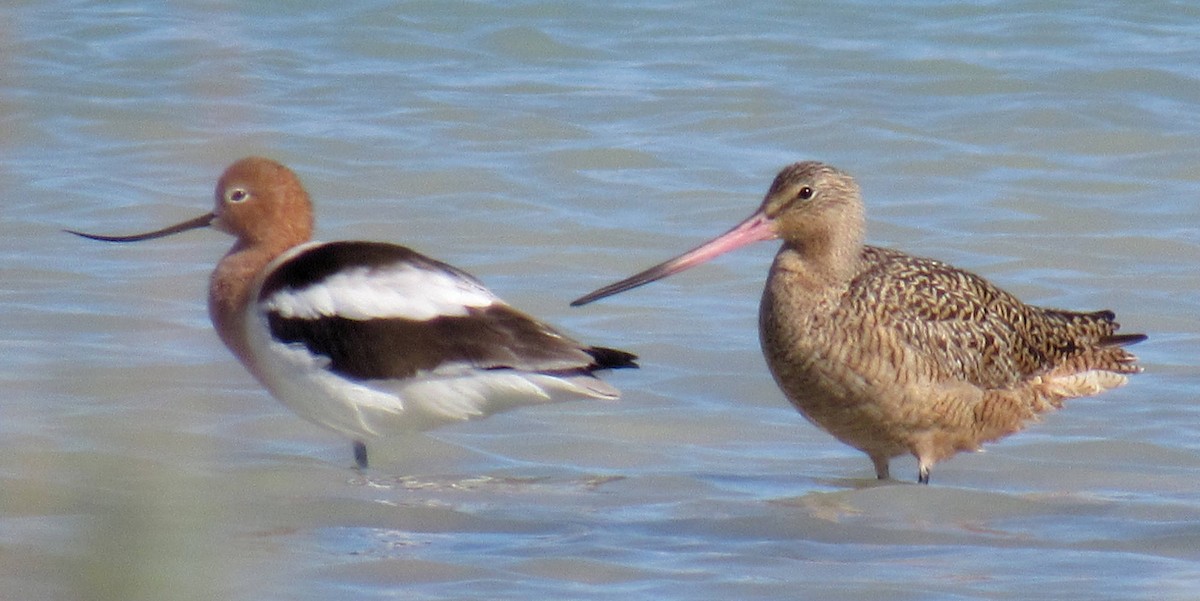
(236, 195)
(805, 193)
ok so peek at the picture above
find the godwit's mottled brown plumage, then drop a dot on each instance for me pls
(896, 354)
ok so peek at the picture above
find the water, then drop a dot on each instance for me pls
(549, 148)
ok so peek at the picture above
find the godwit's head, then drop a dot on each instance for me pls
(810, 205)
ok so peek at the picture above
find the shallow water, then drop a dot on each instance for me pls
(550, 148)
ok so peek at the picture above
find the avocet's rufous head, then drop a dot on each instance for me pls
(256, 200)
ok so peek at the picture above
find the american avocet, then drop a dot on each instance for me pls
(896, 354)
(370, 338)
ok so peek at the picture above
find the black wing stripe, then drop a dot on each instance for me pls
(497, 337)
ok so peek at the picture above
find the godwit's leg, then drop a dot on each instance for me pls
(882, 470)
(923, 472)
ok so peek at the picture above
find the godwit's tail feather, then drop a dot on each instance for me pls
(1122, 339)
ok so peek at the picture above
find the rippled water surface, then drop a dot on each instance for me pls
(549, 148)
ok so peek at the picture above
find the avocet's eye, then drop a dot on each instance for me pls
(805, 193)
(237, 195)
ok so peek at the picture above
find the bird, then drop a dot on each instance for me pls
(892, 353)
(371, 338)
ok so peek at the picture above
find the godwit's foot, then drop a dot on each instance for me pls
(360, 454)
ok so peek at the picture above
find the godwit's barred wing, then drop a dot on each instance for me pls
(957, 326)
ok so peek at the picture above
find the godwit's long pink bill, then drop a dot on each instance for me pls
(756, 228)
(371, 338)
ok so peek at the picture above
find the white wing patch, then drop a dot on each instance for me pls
(400, 291)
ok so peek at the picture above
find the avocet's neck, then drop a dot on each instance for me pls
(230, 292)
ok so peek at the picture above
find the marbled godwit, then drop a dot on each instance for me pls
(368, 338)
(895, 354)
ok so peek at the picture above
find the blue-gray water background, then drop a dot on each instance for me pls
(549, 148)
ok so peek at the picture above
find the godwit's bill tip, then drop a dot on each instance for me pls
(756, 228)
(191, 224)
